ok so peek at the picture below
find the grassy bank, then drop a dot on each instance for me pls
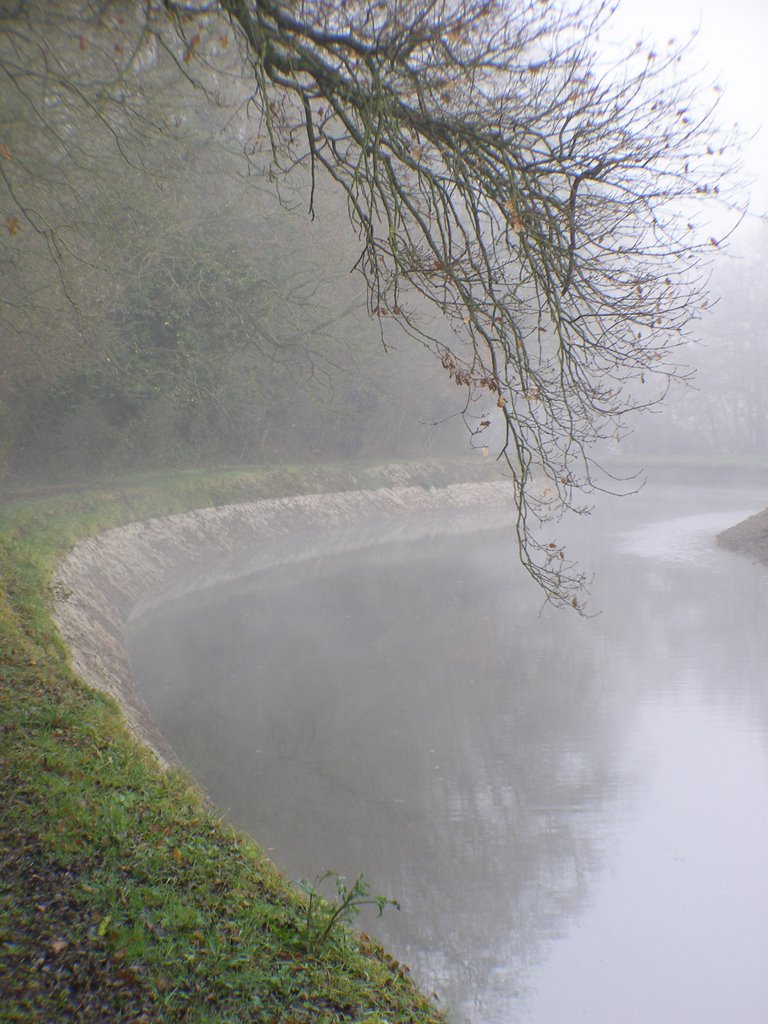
(123, 896)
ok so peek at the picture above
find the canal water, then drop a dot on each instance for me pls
(573, 813)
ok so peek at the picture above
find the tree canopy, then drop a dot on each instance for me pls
(530, 205)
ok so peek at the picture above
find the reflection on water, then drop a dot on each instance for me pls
(573, 813)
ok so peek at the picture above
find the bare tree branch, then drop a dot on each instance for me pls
(526, 207)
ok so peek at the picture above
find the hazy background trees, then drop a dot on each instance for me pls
(721, 409)
(159, 305)
(212, 328)
(186, 190)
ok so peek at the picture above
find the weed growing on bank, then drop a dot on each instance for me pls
(320, 926)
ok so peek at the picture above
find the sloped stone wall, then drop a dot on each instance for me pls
(107, 579)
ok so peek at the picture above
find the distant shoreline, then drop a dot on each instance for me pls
(749, 537)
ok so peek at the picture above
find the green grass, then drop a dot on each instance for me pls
(123, 895)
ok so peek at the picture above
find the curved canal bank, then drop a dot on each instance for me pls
(107, 579)
(123, 894)
(405, 711)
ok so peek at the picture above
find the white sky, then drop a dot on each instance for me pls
(732, 47)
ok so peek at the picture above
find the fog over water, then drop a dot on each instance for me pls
(573, 813)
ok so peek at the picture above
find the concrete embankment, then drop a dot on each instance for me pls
(107, 579)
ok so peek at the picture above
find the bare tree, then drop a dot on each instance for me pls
(501, 172)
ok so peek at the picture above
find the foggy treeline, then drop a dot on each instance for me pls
(165, 300)
(721, 409)
(163, 303)
(205, 322)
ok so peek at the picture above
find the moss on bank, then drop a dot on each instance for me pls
(123, 896)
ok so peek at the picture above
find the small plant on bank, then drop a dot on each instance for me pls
(322, 915)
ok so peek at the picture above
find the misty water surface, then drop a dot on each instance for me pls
(573, 813)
